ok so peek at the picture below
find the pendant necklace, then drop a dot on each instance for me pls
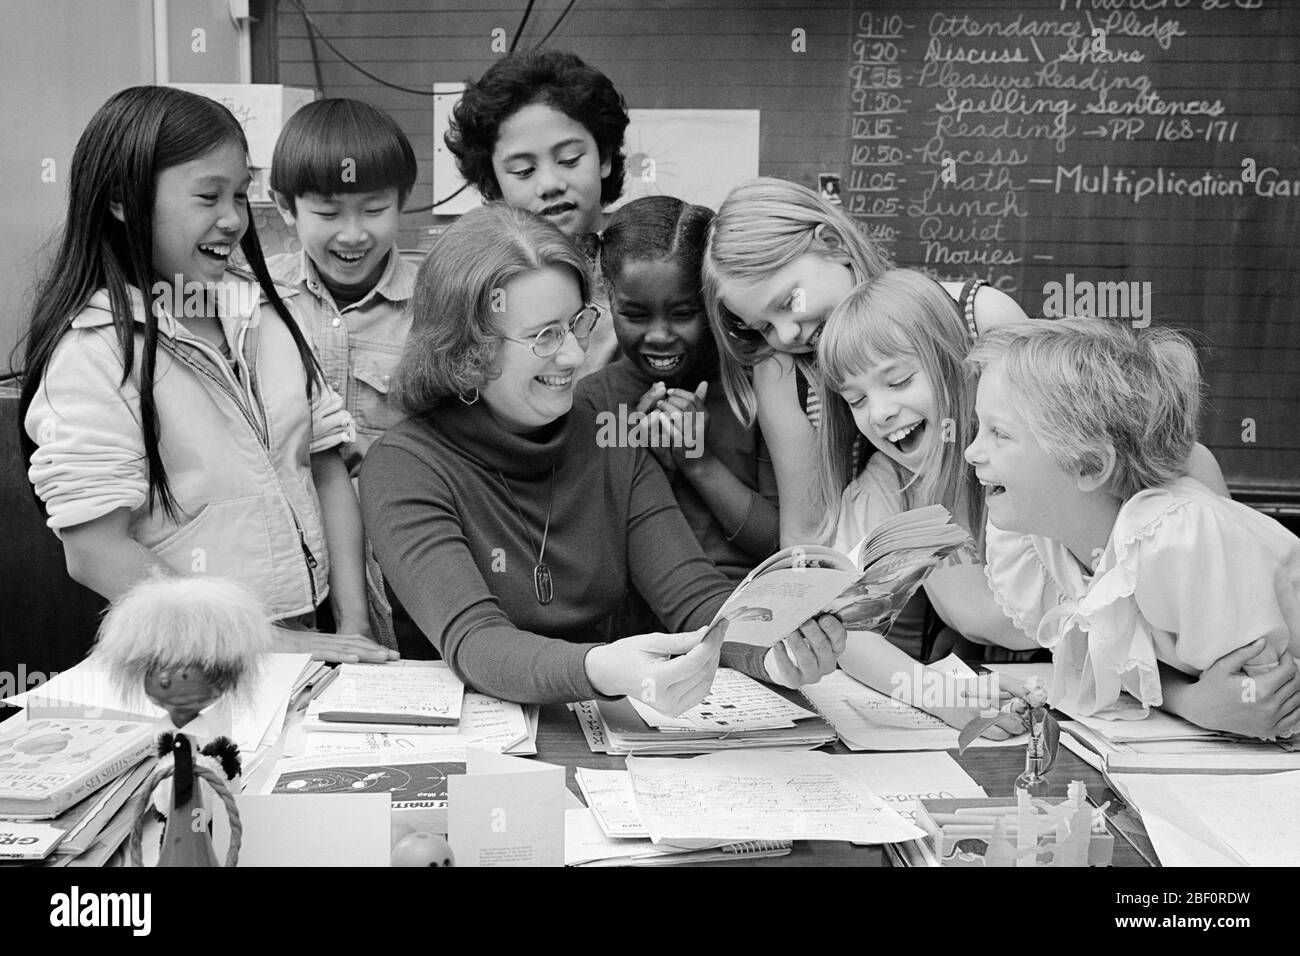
(542, 585)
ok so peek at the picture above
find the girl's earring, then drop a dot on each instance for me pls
(470, 400)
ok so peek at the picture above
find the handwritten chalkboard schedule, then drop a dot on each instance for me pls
(1135, 159)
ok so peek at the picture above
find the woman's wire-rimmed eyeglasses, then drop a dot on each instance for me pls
(549, 340)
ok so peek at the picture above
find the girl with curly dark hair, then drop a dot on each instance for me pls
(542, 130)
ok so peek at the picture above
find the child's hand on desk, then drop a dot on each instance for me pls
(335, 648)
(959, 717)
(807, 655)
(1009, 726)
(1011, 723)
(669, 672)
(1263, 703)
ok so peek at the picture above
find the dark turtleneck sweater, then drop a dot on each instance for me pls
(460, 562)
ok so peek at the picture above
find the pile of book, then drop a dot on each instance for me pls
(255, 724)
(739, 712)
(400, 728)
(66, 787)
(1163, 743)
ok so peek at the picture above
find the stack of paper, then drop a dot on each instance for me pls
(866, 719)
(485, 722)
(610, 831)
(739, 712)
(585, 844)
(1161, 742)
(400, 696)
(1199, 752)
(775, 795)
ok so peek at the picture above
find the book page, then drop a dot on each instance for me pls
(770, 607)
(895, 558)
(735, 702)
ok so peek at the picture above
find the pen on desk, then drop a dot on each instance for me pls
(312, 690)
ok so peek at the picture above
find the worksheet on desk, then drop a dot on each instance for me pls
(866, 719)
(768, 795)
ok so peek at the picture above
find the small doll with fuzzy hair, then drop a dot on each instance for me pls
(192, 646)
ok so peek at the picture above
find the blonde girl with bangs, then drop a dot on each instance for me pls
(890, 366)
(779, 258)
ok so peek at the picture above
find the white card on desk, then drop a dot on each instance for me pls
(310, 830)
(506, 811)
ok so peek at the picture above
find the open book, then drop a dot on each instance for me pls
(865, 589)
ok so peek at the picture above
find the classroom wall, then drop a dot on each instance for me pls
(722, 54)
(1223, 269)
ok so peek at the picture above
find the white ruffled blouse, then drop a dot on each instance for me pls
(1187, 576)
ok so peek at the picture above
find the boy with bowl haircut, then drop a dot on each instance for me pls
(340, 174)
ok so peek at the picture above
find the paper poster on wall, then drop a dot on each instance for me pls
(695, 155)
(262, 110)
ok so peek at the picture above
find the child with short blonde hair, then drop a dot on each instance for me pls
(1139, 578)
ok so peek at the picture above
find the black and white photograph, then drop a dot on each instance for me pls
(393, 383)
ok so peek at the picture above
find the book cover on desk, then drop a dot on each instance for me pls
(49, 764)
(416, 783)
(865, 589)
(1225, 754)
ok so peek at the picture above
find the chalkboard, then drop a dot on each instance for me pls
(1135, 159)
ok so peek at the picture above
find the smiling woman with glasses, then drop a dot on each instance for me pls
(507, 535)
